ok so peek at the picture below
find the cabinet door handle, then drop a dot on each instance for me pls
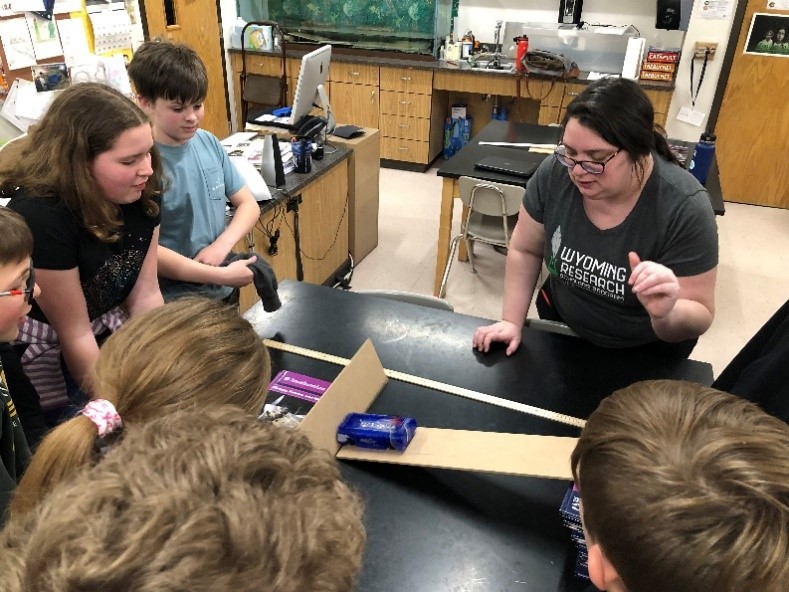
(403, 125)
(406, 78)
(354, 73)
(573, 94)
(372, 97)
(405, 102)
(402, 148)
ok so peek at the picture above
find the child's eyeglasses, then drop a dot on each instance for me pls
(30, 285)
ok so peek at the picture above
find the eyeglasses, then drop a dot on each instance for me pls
(30, 285)
(594, 167)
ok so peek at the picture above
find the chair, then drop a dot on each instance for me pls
(411, 297)
(490, 217)
(264, 91)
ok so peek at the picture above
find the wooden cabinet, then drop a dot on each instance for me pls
(412, 116)
(661, 101)
(354, 96)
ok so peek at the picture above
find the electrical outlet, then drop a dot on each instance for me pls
(702, 47)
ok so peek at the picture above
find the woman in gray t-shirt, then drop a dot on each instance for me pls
(628, 236)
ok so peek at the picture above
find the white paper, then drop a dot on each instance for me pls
(112, 30)
(74, 40)
(715, 9)
(5, 8)
(108, 70)
(64, 6)
(23, 5)
(519, 145)
(778, 4)
(17, 44)
(8, 110)
(32, 104)
(691, 116)
(44, 33)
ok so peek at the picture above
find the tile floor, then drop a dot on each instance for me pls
(752, 281)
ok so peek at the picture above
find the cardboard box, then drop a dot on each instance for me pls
(659, 67)
(360, 382)
(662, 76)
(654, 55)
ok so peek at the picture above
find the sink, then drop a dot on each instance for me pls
(485, 63)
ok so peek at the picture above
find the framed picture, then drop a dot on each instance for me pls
(768, 35)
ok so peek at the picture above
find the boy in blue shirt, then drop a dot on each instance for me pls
(171, 82)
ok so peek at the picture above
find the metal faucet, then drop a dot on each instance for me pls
(496, 63)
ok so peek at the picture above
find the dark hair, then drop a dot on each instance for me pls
(621, 113)
(686, 488)
(84, 121)
(170, 71)
(17, 240)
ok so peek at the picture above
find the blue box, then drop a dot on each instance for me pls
(369, 430)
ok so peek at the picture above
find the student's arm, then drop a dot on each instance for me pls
(679, 307)
(175, 266)
(145, 294)
(244, 219)
(524, 258)
(63, 303)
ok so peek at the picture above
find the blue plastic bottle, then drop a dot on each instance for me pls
(702, 157)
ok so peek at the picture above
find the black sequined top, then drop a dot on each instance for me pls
(107, 271)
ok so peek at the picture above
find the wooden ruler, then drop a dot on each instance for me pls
(433, 384)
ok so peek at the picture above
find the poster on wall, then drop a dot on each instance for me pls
(768, 35)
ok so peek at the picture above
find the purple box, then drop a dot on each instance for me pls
(295, 381)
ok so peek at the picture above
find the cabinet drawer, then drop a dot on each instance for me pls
(407, 80)
(354, 73)
(265, 66)
(408, 150)
(571, 90)
(410, 128)
(405, 104)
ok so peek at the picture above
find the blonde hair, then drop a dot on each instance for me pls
(198, 501)
(190, 354)
(686, 488)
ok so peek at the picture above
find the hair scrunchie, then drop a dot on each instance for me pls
(102, 413)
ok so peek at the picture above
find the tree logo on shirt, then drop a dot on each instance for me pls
(556, 242)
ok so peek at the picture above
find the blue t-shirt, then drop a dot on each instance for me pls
(200, 179)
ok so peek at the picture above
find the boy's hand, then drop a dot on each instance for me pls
(214, 254)
(238, 274)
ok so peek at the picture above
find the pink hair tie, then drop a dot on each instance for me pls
(103, 414)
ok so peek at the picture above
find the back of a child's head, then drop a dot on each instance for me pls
(197, 501)
(17, 242)
(686, 488)
(193, 353)
(169, 71)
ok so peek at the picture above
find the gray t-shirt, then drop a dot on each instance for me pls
(672, 223)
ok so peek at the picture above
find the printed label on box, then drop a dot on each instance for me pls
(662, 76)
(659, 66)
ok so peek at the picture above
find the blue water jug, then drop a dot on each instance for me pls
(702, 157)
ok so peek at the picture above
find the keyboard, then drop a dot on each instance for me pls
(281, 122)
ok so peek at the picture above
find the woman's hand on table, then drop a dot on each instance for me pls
(503, 332)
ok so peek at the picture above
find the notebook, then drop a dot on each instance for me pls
(507, 165)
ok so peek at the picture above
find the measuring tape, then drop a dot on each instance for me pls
(433, 384)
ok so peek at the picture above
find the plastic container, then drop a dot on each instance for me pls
(235, 33)
(702, 157)
(370, 430)
(302, 155)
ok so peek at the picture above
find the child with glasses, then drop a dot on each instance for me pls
(17, 289)
(628, 236)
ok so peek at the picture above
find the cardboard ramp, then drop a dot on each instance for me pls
(360, 382)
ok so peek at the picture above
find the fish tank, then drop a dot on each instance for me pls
(411, 26)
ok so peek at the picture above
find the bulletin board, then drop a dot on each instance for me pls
(46, 49)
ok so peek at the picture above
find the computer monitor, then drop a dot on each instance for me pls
(310, 85)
